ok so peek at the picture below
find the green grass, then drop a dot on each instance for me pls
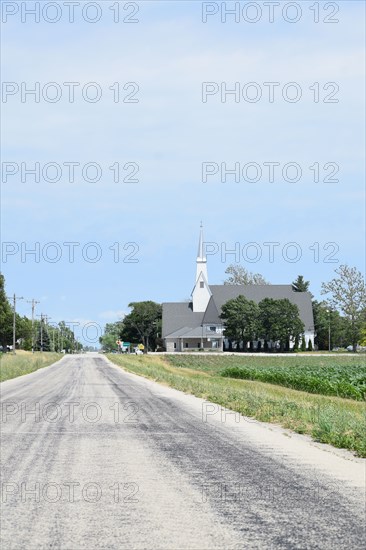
(328, 419)
(340, 376)
(24, 362)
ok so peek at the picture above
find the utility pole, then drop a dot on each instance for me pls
(41, 326)
(43, 317)
(33, 302)
(61, 341)
(14, 298)
(47, 319)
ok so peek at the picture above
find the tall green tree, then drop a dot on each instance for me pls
(279, 321)
(300, 285)
(63, 337)
(238, 275)
(240, 318)
(43, 338)
(329, 322)
(143, 322)
(24, 332)
(347, 293)
(6, 316)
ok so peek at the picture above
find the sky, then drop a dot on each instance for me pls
(255, 128)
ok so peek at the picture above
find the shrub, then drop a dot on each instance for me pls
(303, 343)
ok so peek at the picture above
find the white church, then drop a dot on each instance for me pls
(196, 324)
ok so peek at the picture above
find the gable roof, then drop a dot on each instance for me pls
(222, 293)
(178, 333)
(204, 280)
(185, 332)
(211, 314)
(178, 317)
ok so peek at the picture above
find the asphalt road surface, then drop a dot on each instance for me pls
(93, 457)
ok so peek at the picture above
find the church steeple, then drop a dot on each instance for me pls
(201, 262)
(201, 255)
(201, 293)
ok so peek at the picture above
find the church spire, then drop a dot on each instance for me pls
(201, 292)
(201, 255)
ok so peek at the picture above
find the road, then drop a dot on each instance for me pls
(94, 457)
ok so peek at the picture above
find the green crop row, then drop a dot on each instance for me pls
(347, 382)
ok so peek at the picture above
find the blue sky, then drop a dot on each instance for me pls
(169, 133)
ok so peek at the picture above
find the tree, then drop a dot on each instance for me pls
(279, 321)
(348, 294)
(143, 322)
(363, 336)
(241, 276)
(64, 338)
(6, 316)
(240, 318)
(43, 338)
(112, 333)
(303, 343)
(300, 285)
(24, 332)
(326, 318)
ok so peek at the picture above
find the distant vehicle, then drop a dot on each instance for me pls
(138, 351)
(358, 348)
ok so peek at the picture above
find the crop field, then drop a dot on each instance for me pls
(340, 376)
(326, 418)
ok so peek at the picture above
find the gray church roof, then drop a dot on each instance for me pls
(222, 293)
(188, 333)
(211, 313)
(179, 316)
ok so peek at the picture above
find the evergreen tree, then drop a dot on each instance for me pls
(43, 339)
(300, 285)
(303, 343)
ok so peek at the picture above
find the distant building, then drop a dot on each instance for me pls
(189, 326)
